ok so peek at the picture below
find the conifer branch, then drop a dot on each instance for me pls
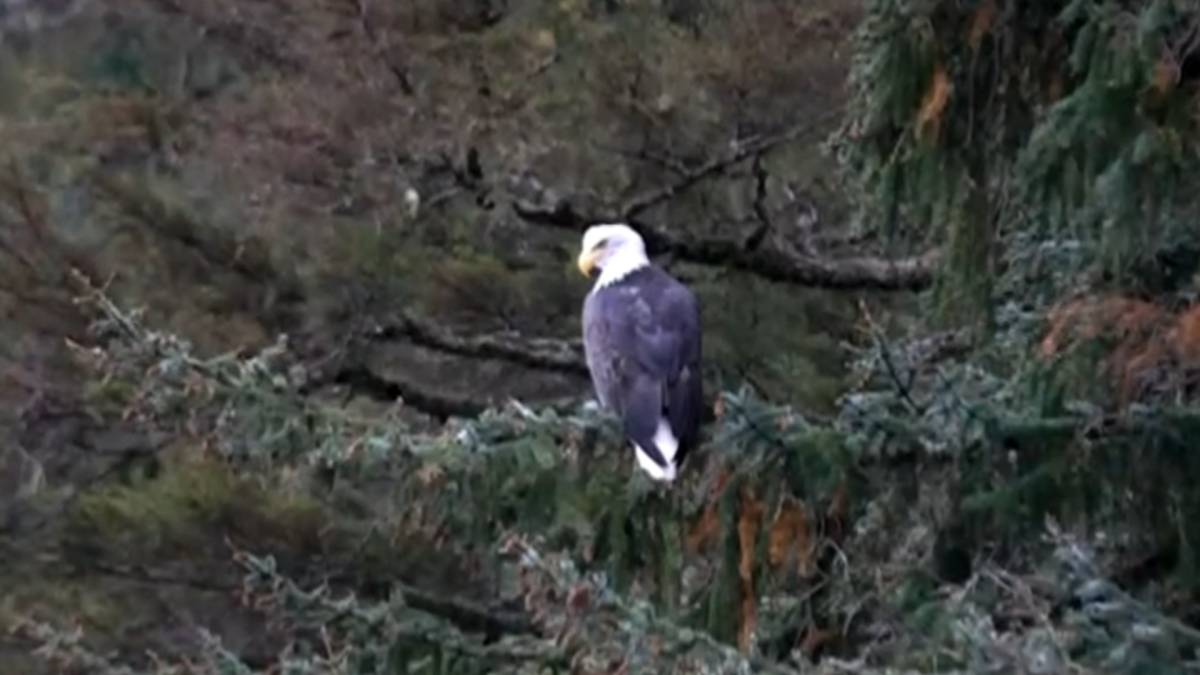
(244, 408)
(636, 625)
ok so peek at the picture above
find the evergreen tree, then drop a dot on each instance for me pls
(1047, 149)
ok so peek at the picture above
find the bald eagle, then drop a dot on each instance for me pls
(641, 337)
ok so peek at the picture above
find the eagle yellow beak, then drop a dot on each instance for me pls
(587, 260)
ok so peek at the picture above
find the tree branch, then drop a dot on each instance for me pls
(466, 614)
(865, 272)
(868, 272)
(341, 364)
(361, 380)
(565, 356)
(403, 79)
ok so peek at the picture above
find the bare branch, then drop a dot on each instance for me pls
(403, 80)
(466, 614)
(756, 238)
(744, 151)
(867, 272)
(364, 382)
(540, 353)
(341, 363)
(671, 164)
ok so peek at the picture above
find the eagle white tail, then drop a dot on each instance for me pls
(668, 445)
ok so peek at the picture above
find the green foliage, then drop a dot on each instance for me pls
(1022, 454)
(176, 510)
(597, 556)
(1044, 148)
(786, 347)
(952, 139)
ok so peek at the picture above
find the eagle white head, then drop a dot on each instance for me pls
(615, 249)
(412, 200)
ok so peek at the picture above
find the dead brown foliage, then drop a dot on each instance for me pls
(1144, 341)
(794, 532)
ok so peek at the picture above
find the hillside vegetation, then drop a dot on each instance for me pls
(292, 380)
